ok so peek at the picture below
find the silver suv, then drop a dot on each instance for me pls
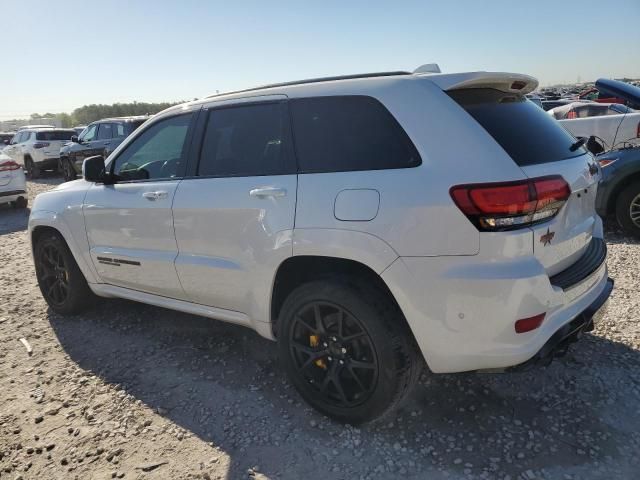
(38, 149)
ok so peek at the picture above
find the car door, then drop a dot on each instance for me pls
(234, 216)
(104, 138)
(129, 223)
(85, 147)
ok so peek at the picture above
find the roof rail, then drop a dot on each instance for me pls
(316, 80)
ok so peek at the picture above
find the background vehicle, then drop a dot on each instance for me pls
(98, 138)
(13, 187)
(79, 129)
(306, 211)
(38, 149)
(619, 189)
(5, 139)
(584, 110)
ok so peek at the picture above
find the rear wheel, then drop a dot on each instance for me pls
(33, 171)
(628, 209)
(347, 350)
(61, 282)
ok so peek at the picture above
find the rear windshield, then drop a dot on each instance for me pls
(53, 135)
(528, 134)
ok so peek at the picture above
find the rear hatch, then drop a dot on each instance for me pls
(51, 141)
(541, 147)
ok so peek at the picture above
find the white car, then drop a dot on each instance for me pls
(613, 124)
(38, 149)
(365, 222)
(13, 187)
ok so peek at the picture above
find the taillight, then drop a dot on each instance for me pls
(511, 205)
(9, 166)
(638, 130)
(40, 145)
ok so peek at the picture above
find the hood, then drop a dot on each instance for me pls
(618, 89)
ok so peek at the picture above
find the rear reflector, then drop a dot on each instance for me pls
(511, 205)
(527, 324)
(9, 166)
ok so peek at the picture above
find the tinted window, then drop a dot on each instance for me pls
(526, 133)
(105, 131)
(53, 135)
(159, 152)
(617, 108)
(119, 130)
(246, 140)
(334, 134)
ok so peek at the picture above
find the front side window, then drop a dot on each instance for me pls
(246, 140)
(347, 133)
(89, 133)
(159, 152)
(105, 131)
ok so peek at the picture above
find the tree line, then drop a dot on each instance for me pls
(90, 113)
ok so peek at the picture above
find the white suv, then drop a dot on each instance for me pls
(364, 222)
(38, 149)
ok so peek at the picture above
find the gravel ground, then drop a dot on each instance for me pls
(133, 391)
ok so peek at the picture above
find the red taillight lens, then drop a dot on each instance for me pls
(505, 206)
(40, 145)
(527, 324)
(9, 166)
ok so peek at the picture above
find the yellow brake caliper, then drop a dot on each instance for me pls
(314, 340)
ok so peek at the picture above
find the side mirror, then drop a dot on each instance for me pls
(93, 169)
(75, 139)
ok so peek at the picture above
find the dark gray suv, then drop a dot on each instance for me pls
(98, 138)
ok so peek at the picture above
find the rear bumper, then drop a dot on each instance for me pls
(11, 195)
(462, 310)
(47, 162)
(559, 342)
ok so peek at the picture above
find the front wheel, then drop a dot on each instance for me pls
(68, 171)
(347, 350)
(61, 282)
(20, 203)
(628, 209)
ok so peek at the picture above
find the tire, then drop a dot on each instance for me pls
(33, 171)
(355, 373)
(20, 202)
(628, 209)
(61, 282)
(68, 171)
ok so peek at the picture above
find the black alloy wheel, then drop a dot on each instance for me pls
(334, 353)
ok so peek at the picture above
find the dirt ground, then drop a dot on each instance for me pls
(138, 392)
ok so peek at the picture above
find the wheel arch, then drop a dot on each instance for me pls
(619, 187)
(296, 270)
(41, 222)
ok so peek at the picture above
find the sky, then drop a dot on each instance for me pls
(60, 55)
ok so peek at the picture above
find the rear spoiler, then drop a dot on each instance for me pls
(505, 82)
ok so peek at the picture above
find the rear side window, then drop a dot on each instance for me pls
(346, 133)
(247, 140)
(53, 135)
(529, 135)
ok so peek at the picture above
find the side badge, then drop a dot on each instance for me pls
(547, 237)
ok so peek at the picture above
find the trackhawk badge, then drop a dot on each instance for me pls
(547, 237)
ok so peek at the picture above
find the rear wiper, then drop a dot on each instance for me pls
(580, 142)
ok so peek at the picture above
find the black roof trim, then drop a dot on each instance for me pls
(316, 80)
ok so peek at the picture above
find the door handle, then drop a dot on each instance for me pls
(155, 195)
(262, 192)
